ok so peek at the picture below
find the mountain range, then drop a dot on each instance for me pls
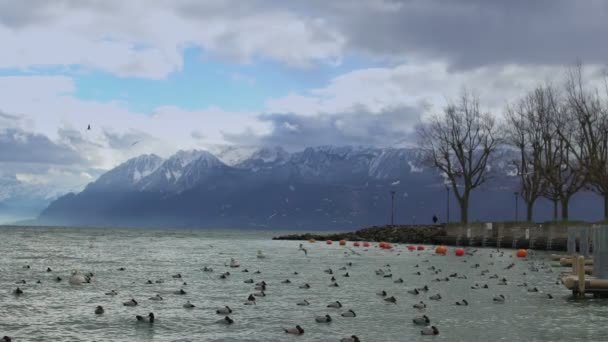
(326, 187)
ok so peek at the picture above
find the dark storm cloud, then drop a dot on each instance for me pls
(294, 131)
(23, 147)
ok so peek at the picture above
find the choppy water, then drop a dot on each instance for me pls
(53, 311)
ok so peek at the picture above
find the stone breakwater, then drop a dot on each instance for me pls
(428, 234)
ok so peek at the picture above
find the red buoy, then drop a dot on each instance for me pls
(329, 242)
(411, 248)
(366, 244)
(459, 252)
(420, 248)
(356, 244)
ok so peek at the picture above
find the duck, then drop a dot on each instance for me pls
(346, 275)
(226, 320)
(463, 303)
(245, 270)
(58, 279)
(425, 288)
(390, 275)
(549, 296)
(207, 269)
(398, 281)
(305, 286)
(159, 281)
(420, 305)
(323, 319)
(18, 292)
(534, 289)
(391, 300)
(224, 311)
(99, 310)
(333, 285)
(499, 299)
(21, 282)
(297, 330)
(180, 292)
(145, 319)
(224, 275)
(149, 282)
(381, 293)
(303, 302)
(329, 271)
(131, 302)
(335, 305)
(286, 281)
(188, 305)
(429, 331)
(435, 297)
(111, 293)
(353, 338)
(257, 272)
(248, 281)
(260, 294)
(421, 320)
(157, 297)
(349, 313)
(177, 276)
(6, 339)
(414, 292)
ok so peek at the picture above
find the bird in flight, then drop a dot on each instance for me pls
(135, 143)
(88, 127)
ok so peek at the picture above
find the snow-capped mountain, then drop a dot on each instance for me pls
(319, 187)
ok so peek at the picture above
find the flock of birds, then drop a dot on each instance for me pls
(420, 316)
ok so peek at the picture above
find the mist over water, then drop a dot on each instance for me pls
(59, 311)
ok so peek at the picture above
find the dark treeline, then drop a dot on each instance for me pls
(560, 134)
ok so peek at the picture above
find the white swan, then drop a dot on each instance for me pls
(234, 263)
(77, 278)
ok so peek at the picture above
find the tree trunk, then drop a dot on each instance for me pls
(565, 203)
(555, 214)
(606, 206)
(464, 210)
(529, 211)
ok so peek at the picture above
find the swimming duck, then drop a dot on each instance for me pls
(58, 279)
(99, 310)
(334, 285)
(349, 313)
(381, 293)
(421, 320)
(398, 281)
(435, 297)
(6, 339)
(549, 296)
(286, 281)
(257, 272)
(177, 276)
(207, 269)
(335, 305)
(294, 331)
(224, 311)
(180, 292)
(424, 289)
(499, 299)
(260, 294)
(329, 271)
(145, 319)
(414, 292)
(534, 289)
(391, 300)
(188, 305)
(18, 292)
(245, 270)
(157, 297)
(226, 320)
(353, 338)
(305, 286)
(131, 302)
(429, 331)
(420, 305)
(20, 282)
(248, 281)
(111, 293)
(303, 303)
(463, 303)
(149, 282)
(346, 275)
(323, 319)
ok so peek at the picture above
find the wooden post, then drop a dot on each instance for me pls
(581, 275)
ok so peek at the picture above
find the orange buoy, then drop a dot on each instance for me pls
(366, 244)
(381, 244)
(420, 248)
(441, 250)
(342, 242)
(387, 246)
(459, 252)
(312, 240)
(329, 242)
(521, 253)
(356, 244)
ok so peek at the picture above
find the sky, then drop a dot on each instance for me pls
(156, 76)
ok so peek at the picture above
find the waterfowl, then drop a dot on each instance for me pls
(257, 272)
(262, 283)
(245, 270)
(333, 278)
(429, 331)
(549, 296)
(188, 305)
(207, 269)
(435, 297)
(226, 320)
(286, 281)
(349, 313)
(533, 290)
(99, 310)
(391, 300)
(260, 288)
(346, 275)
(420, 305)
(111, 293)
(157, 297)
(381, 293)
(390, 275)
(295, 273)
(224, 311)
(329, 271)
(294, 331)
(305, 286)
(149, 282)
(18, 292)
(499, 299)
(335, 305)
(58, 279)
(177, 276)
(425, 288)
(121, 268)
(234, 263)
(421, 320)
(303, 303)
(398, 281)
(248, 281)
(180, 292)
(463, 303)
(260, 294)
(323, 319)
(334, 285)
(414, 292)
(131, 302)
(159, 281)
(353, 338)
(145, 319)
(6, 339)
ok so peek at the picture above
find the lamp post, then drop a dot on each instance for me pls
(392, 207)
(447, 210)
(516, 206)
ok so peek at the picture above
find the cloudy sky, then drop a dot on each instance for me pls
(181, 74)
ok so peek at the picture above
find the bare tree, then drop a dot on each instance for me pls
(589, 140)
(523, 132)
(459, 142)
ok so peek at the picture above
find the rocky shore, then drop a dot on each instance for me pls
(428, 234)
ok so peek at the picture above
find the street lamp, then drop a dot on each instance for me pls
(516, 206)
(392, 207)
